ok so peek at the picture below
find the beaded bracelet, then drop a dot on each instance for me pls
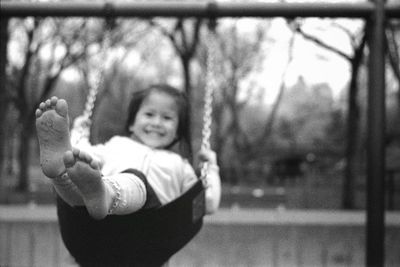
(117, 199)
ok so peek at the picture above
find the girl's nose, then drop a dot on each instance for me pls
(156, 121)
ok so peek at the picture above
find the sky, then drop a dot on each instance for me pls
(315, 64)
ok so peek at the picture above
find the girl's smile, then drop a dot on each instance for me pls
(156, 122)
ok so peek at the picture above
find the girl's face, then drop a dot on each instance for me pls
(156, 121)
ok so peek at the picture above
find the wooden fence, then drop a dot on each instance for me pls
(29, 237)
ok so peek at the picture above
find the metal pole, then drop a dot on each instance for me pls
(375, 226)
(3, 102)
(392, 10)
(185, 9)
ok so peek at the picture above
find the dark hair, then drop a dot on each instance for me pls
(183, 138)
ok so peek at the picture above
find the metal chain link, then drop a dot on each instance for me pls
(208, 97)
(84, 130)
(98, 77)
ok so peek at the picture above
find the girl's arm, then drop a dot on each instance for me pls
(213, 180)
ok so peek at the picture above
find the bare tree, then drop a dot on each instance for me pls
(353, 120)
(184, 36)
(238, 57)
(393, 51)
(269, 124)
(52, 46)
(36, 78)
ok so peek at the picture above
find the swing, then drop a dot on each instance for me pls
(150, 236)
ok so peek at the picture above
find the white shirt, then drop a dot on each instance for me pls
(167, 172)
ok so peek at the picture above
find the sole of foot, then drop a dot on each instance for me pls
(52, 126)
(84, 172)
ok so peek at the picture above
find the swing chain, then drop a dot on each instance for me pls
(83, 129)
(211, 83)
(98, 74)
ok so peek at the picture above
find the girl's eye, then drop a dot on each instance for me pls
(148, 114)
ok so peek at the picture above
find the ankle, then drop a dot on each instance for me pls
(113, 192)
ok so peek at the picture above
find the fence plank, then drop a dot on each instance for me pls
(242, 238)
(44, 249)
(310, 246)
(20, 244)
(392, 247)
(339, 253)
(4, 247)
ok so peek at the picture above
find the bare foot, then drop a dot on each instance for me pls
(52, 126)
(84, 171)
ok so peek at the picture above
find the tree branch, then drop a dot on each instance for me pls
(298, 29)
(393, 52)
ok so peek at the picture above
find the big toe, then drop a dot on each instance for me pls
(69, 159)
(62, 107)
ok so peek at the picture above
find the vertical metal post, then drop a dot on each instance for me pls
(376, 133)
(3, 100)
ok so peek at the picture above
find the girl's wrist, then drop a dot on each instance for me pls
(213, 167)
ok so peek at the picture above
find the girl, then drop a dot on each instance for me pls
(127, 173)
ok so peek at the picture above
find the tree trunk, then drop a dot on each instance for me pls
(352, 131)
(394, 56)
(23, 158)
(186, 75)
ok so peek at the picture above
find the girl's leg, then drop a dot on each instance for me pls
(122, 193)
(84, 172)
(52, 125)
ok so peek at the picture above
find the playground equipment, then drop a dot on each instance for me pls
(375, 13)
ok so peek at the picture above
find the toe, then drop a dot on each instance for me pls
(95, 165)
(61, 107)
(42, 106)
(38, 113)
(69, 159)
(53, 101)
(85, 157)
(76, 152)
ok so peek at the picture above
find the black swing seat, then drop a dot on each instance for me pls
(148, 237)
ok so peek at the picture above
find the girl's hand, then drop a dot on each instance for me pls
(207, 155)
(81, 122)
(80, 129)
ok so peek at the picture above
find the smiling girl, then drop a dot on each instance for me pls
(127, 173)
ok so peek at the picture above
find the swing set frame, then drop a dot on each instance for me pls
(376, 13)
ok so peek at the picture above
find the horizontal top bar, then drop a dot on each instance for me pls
(393, 10)
(192, 9)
